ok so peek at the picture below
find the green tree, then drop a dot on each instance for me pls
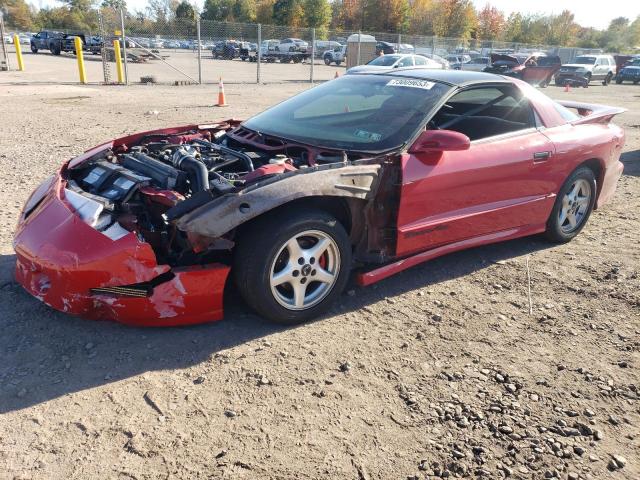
(244, 11)
(317, 15)
(116, 4)
(218, 10)
(185, 11)
(288, 12)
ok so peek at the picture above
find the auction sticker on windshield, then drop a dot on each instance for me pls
(409, 82)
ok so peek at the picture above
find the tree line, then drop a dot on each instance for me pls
(444, 18)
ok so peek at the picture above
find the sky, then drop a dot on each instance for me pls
(589, 13)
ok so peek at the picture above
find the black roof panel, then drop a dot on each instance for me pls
(453, 77)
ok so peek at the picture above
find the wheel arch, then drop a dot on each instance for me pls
(348, 211)
(596, 165)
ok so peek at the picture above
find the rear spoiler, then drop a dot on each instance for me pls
(591, 112)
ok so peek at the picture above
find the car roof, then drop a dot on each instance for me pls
(452, 77)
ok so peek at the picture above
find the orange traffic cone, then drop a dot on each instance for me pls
(567, 87)
(336, 75)
(221, 100)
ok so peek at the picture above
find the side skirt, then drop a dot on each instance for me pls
(372, 276)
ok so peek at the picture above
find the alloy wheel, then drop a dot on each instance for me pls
(575, 206)
(305, 270)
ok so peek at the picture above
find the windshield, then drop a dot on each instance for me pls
(585, 60)
(354, 112)
(385, 60)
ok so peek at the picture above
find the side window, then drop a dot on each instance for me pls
(485, 112)
(405, 62)
(420, 60)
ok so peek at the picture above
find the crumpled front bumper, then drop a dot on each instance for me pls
(60, 259)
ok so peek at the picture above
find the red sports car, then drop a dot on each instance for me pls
(369, 173)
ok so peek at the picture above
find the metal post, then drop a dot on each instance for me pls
(259, 53)
(433, 45)
(313, 51)
(358, 55)
(80, 57)
(124, 47)
(399, 41)
(16, 43)
(199, 51)
(4, 65)
(118, 57)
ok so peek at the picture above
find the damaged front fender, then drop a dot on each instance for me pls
(225, 213)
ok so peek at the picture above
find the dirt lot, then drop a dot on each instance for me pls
(438, 372)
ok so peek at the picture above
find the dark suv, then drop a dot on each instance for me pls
(55, 42)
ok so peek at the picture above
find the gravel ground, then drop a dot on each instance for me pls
(438, 372)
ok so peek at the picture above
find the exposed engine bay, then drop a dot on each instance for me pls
(148, 181)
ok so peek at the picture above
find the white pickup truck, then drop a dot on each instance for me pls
(337, 55)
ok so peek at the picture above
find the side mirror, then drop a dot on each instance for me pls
(431, 141)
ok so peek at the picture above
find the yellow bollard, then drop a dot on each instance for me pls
(83, 74)
(116, 49)
(16, 42)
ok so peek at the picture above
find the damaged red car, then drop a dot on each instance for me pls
(368, 174)
(537, 69)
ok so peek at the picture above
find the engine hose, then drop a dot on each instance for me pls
(197, 170)
(221, 148)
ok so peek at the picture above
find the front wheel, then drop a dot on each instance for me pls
(327, 61)
(607, 79)
(619, 81)
(292, 270)
(34, 49)
(573, 206)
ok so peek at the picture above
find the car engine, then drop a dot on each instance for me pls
(142, 185)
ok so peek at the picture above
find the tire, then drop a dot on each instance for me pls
(34, 49)
(263, 253)
(338, 62)
(55, 49)
(327, 61)
(560, 230)
(635, 82)
(607, 79)
(618, 81)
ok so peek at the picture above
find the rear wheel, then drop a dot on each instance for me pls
(291, 270)
(34, 49)
(327, 61)
(607, 79)
(573, 206)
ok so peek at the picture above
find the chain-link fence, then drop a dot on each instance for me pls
(183, 51)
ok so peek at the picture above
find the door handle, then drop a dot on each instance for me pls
(541, 156)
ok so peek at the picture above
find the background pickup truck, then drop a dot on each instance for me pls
(57, 42)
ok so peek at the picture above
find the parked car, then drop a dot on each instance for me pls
(268, 46)
(385, 48)
(441, 60)
(629, 72)
(537, 69)
(587, 68)
(389, 62)
(337, 55)
(477, 64)
(456, 61)
(227, 49)
(323, 46)
(24, 38)
(146, 229)
(292, 45)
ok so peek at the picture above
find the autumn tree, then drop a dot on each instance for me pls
(454, 18)
(18, 14)
(490, 23)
